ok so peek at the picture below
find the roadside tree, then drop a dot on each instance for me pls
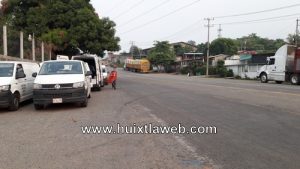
(162, 55)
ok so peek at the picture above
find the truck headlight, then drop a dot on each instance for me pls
(78, 85)
(5, 88)
(37, 86)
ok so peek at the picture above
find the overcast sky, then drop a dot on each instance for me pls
(132, 18)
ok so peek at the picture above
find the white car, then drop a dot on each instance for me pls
(62, 82)
(16, 83)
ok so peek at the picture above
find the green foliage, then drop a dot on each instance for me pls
(223, 46)
(261, 45)
(184, 70)
(292, 39)
(180, 50)
(162, 54)
(66, 25)
(230, 73)
(250, 42)
(202, 48)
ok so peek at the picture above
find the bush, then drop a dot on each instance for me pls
(230, 73)
(184, 70)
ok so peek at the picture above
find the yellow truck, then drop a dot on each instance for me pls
(137, 65)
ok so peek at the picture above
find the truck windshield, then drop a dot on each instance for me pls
(63, 67)
(6, 69)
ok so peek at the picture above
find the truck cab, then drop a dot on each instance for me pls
(280, 67)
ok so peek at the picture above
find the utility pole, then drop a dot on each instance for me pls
(131, 48)
(208, 41)
(297, 32)
(220, 31)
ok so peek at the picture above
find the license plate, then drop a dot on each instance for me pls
(57, 100)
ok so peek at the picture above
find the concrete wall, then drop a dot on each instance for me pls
(9, 58)
(245, 71)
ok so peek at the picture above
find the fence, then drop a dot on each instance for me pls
(22, 46)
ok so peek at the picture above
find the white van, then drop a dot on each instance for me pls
(94, 63)
(61, 82)
(16, 83)
(105, 74)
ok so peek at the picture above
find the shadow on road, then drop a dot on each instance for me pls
(23, 104)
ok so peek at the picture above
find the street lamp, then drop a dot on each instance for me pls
(31, 38)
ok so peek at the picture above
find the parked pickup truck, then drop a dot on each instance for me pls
(284, 66)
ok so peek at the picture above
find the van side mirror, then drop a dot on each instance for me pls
(88, 73)
(20, 75)
(34, 74)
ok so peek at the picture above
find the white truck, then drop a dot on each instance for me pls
(284, 66)
(16, 83)
(94, 63)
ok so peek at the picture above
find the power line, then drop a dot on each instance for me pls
(257, 12)
(130, 8)
(257, 20)
(181, 30)
(194, 24)
(159, 18)
(145, 13)
(116, 6)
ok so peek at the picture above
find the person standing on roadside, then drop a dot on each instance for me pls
(113, 78)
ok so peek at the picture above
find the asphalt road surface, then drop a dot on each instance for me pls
(258, 127)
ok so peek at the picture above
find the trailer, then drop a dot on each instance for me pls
(284, 66)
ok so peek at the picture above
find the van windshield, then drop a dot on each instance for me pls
(64, 67)
(6, 69)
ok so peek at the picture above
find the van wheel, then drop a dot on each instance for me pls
(295, 79)
(264, 78)
(279, 82)
(38, 106)
(84, 103)
(15, 103)
(97, 88)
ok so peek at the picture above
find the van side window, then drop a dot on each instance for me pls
(20, 72)
(20, 69)
(272, 61)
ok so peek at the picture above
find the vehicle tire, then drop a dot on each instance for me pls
(38, 106)
(295, 79)
(15, 103)
(84, 103)
(98, 88)
(279, 82)
(264, 78)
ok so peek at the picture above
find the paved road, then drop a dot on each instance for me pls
(258, 127)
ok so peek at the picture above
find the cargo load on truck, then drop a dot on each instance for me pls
(137, 65)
